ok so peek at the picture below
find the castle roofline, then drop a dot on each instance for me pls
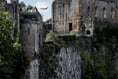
(31, 14)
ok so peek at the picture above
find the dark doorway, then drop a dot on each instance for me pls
(70, 27)
(88, 32)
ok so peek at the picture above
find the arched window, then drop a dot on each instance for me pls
(112, 14)
(88, 11)
(96, 12)
(104, 13)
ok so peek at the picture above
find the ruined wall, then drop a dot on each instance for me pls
(61, 16)
(99, 8)
(29, 40)
(74, 15)
(30, 35)
(66, 16)
(58, 16)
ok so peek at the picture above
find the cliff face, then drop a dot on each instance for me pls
(72, 57)
(92, 54)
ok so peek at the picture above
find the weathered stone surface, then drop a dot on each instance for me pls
(30, 27)
(70, 15)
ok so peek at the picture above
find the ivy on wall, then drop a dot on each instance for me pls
(102, 64)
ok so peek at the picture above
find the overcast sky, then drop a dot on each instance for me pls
(46, 14)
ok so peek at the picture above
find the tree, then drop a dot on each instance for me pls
(29, 7)
(2, 5)
(48, 21)
(22, 6)
(8, 46)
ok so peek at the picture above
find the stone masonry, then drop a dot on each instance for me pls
(72, 15)
(30, 33)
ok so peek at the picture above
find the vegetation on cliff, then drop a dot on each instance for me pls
(98, 53)
(100, 62)
(52, 38)
(8, 47)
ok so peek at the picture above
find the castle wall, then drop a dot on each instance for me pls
(76, 15)
(69, 15)
(30, 34)
(58, 16)
(61, 16)
(99, 8)
(29, 39)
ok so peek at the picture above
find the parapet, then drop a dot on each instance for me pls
(32, 16)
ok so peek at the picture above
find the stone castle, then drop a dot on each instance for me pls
(74, 15)
(68, 16)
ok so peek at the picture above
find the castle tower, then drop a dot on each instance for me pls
(15, 16)
(58, 15)
(30, 40)
(14, 4)
(76, 15)
(66, 16)
(61, 17)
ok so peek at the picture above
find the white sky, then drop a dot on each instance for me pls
(46, 14)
